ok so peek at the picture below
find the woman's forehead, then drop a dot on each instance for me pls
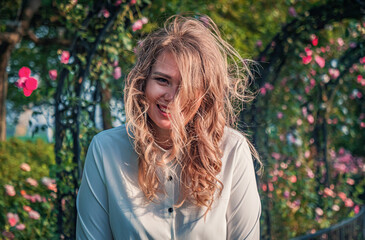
(166, 64)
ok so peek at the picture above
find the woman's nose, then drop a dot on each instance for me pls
(170, 94)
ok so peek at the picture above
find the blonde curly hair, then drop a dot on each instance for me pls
(214, 80)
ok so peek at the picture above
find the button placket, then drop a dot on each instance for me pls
(170, 191)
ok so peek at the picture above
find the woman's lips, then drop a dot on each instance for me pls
(163, 110)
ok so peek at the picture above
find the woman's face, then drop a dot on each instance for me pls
(160, 90)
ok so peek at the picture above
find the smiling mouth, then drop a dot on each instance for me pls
(163, 109)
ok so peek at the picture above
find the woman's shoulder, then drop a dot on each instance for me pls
(114, 136)
(233, 137)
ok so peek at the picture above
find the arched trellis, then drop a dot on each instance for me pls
(69, 104)
(274, 57)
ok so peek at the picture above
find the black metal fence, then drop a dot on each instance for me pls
(349, 229)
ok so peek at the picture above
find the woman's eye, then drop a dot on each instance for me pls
(162, 80)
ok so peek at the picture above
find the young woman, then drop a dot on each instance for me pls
(177, 170)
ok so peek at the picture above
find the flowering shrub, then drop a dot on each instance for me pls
(315, 176)
(26, 190)
(25, 82)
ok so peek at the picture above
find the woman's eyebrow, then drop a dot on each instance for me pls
(162, 74)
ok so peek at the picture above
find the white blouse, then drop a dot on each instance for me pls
(111, 205)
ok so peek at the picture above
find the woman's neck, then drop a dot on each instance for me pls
(162, 136)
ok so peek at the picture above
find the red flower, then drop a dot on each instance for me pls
(26, 82)
(307, 59)
(315, 41)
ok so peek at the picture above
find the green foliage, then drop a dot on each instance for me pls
(29, 189)
(306, 99)
(293, 187)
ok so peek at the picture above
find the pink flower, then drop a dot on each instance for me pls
(335, 208)
(312, 82)
(26, 82)
(319, 211)
(342, 195)
(292, 12)
(362, 60)
(34, 215)
(27, 208)
(118, 2)
(357, 209)
(329, 192)
(49, 183)
(20, 227)
(310, 119)
(65, 57)
(306, 59)
(264, 187)
(137, 25)
(362, 124)
(269, 86)
(308, 51)
(37, 197)
(271, 187)
(275, 155)
(352, 44)
(144, 20)
(263, 91)
(258, 43)
(359, 78)
(320, 61)
(340, 42)
(10, 190)
(25, 167)
(350, 181)
(32, 182)
(293, 179)
(286, 194)
(349, 202)
(334, 73)
(299, 122)
(13, 219)
(117, 73)
(105, 13)
(132, 2)
(341, 151)
(280, 115)
(52, 74)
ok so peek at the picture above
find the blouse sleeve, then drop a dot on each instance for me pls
(244, 208)
(92, 200)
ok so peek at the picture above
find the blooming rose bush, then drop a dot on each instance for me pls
(303, 191)
(26, 190)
